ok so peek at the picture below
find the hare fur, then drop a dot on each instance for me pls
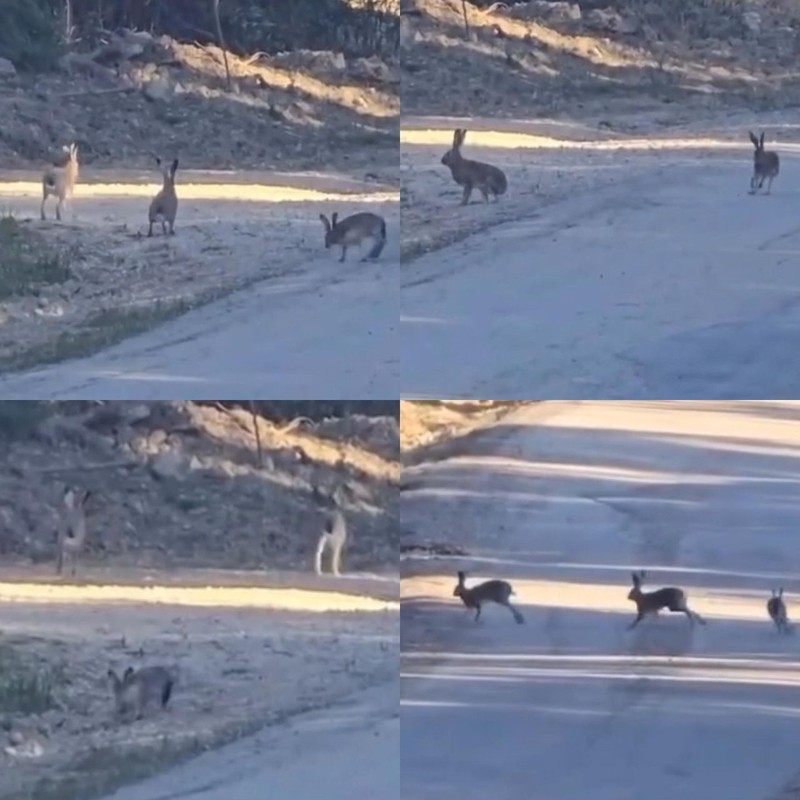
(353, 230)
(648, 603)
(492, 591)
(489, 180)
(60, 179)
(165, 204)
(766, 165)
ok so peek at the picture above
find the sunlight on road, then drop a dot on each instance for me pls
(514, 140)
(253, 192)
(206, 596)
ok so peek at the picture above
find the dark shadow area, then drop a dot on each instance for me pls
(513, 66)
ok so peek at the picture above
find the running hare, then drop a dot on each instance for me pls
(776, 608)
(353, 230)
(138, 688)
(493, 591)
(648, 603)
(59, 180)
(165, 204)
(473, 174)
(766, 165)
(72, 527)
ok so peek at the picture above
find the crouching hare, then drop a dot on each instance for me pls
(164, 205)
(139, 688)
(648, 603)
(353, 230)
(492, 591)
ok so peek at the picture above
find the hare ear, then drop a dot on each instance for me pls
(635, 578)
(158, 161)
(780, 592)
(86, 495)
(174, 168)
(334, 217)
(325, 222)
(761, 141)
(463, 135)
(753, 138)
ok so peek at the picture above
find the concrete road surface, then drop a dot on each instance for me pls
(677, 285)
(564, 500)
(345, 752)
(283, 339)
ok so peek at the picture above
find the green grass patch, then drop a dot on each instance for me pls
(26, 262)
(26, 689)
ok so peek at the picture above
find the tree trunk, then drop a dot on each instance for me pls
(221, 41)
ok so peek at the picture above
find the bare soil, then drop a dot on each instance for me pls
(177, 484)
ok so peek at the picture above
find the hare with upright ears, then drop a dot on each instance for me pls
(776, 608)
(493, 591)
(139, 688)
(72, 527)
(60, 179)
(353, 230)
(334, 533)
(766, 165)
(648, 603)
(473, 174)
(165, 204)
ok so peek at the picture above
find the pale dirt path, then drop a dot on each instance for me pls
(661, 279)
(351, 749)
(564, 499)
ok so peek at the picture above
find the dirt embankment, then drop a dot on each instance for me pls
(177, 488)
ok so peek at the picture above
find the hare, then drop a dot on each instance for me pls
(473, 174)
(776, 608)
(647, 603)
(334, 536)
(353, 230)
(165, 203)
(72, 527)
(136, 689)
(493, 591)
(60, 179)
(766, 165)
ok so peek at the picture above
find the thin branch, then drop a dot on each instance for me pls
(221, 41)
(258, 433)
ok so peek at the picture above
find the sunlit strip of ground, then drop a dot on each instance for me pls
(207, 596)
(261, 193)
(589, 596)
(513, 140)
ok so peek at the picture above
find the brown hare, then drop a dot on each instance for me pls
(59, 180)
(139, 688)
(776, 608)
(766, 165)
(72, 527)
(353, 230)
(165, 204)
(493, 591)
(648, 603)
(471, 175)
